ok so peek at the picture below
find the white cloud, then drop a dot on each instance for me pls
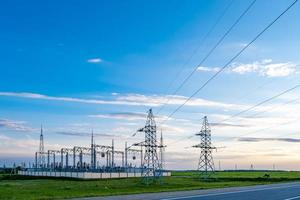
(71, 99)
(264, 67)
(21, 146)
(132, 100)
(172, 128)
(94, 60)
(130, 116)
(244, 68)
(15, 125)
(208, 69)
(126, 116)
(177, 100)
(279, 69)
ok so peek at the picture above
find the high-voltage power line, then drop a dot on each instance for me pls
(231, 60)
(211, 51)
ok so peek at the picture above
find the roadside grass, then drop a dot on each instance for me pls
(20, 187)
(289, 175)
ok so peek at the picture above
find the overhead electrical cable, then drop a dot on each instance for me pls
(256, 105)
(208, 54)
(195, 51)
(273, 108)
(260, 103)
(260, 130)
(232, 59)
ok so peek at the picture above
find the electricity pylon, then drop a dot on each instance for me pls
(206, 163)
(41, 158)
(151, 168)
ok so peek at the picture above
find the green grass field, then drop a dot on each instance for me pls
(16, 187)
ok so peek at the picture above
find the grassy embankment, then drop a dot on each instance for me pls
(15, 187)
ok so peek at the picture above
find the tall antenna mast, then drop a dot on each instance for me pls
(41, 158)
(206, 162)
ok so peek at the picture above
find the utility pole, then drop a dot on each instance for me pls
(41, 156)
(126, 156)
(162, 149)
(93, 152)
(112, 154)
(206, 163)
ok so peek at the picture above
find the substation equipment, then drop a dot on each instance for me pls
(143, 159)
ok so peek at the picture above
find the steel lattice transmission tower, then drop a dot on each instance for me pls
(206, 162)
(41, 158)
(152, 168)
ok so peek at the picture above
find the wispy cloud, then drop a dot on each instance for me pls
(132, 100)
(83, 134)
(264, 67)
(20, 146)
(15, 125)
(124, 115)
(227, 125)
(94, 60)
(12, 146)
(71, 99)
(172, 129)
(129, 116)
(208, 69)
(177, 100)
(252, 139)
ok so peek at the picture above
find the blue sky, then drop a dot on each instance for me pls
(74, 66)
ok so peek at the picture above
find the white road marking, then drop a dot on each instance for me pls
(234, 192)
(297, 197)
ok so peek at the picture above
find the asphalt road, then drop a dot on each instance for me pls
(286, 191)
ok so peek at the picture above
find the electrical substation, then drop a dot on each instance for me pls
(142, 159)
